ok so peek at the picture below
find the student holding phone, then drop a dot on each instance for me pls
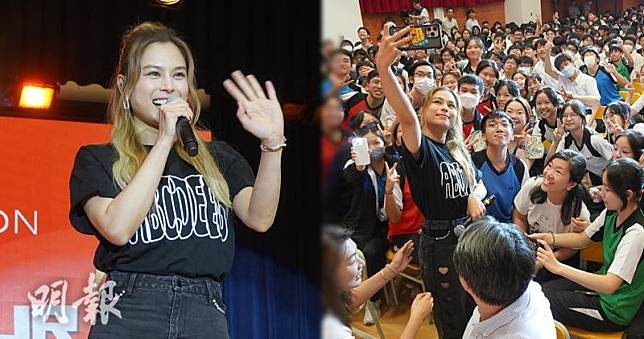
(443, 183)
(366, 217)
(128, 192)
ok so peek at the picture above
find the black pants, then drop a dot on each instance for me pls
(636, 329)
(564, 295)
(452, 305)
(375, 252)
(398, 241)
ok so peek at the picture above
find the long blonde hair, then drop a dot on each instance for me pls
(454, 139)
(131, 153)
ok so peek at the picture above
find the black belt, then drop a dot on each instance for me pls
(442, 225)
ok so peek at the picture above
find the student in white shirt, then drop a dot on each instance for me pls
(422, 15)
(610, 299)
(495, 263)
(574, 135)
(571, 82)
(551, 203)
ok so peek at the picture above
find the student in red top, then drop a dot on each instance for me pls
(333, 136)
(371, 101)
(405, 219)
(470, 88)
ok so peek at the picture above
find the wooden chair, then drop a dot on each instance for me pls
(591, 253)
(562, 332)
(637, 86)
(600, 113)
(583, 334)
(623, 94)
(636, 95)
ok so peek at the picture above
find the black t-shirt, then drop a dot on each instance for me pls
(187, 232)
(437, 182)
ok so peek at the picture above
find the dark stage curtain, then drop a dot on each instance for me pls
(272, 291)
(388, 6)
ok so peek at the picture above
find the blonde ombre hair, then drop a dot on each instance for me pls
(131, 152)
(454, 139)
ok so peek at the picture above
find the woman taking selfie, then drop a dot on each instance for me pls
(442, 179)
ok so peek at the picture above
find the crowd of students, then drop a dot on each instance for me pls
(544, 116)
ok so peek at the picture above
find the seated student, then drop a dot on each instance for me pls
(366, 217)
(470, 89)
(343, 288)
(607, 77)
(554, 203)
(503, 173)
(405, 219)
(595, 149)
(617, 119)
(339, 79)
(371, 101)
(505, 90)
(547, 104)
(519, 111)
(488, 71)
(495, 263)
(609, 299)
(575, 84)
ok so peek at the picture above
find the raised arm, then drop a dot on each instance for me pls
(388, 52)
(261, 116)
(547, 62)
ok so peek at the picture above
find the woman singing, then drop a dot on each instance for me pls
(442, 180)
(164, 219)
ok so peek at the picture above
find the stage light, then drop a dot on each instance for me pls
(168, 2)
(36, 96)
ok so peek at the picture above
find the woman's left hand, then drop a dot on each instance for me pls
(260, 115)
(475, 208)
(547, 258)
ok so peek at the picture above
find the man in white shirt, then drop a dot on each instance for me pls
(571, 82)
(495, 263)
(449, 22)
(471, 21)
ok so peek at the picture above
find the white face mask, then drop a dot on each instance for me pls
(423, 84)
(526, 70)
(590, 61)
(468, 100)
(568, 71)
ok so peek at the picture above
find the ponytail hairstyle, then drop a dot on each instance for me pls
(574, 200)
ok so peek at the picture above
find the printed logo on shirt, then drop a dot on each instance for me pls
(453, 179)
(183, 208)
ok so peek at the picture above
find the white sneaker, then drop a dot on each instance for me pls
(368, 317)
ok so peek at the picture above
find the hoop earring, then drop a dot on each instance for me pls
(126, 103)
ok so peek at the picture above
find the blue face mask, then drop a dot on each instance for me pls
(377, 154)
(568, 71)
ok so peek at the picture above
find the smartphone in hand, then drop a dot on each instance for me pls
(362, 148)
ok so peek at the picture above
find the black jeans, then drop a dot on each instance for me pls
(564, 295)
(154, 306)
(452, 305)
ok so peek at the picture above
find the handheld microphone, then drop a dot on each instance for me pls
(186, 135)
(459, 229)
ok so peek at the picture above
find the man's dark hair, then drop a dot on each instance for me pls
(561, 58)
(496, 114)
(526, 60)
(472, 80)
(365, 28)
(539, 42)
(372, 74)
(495, 260)
(341, 51)
(469, 11)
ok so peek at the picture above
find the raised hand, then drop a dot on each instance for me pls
(393, 178)
(259, 115)
(388, 50)
(402, 257)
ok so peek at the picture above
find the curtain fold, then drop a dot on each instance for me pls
(391, 6)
